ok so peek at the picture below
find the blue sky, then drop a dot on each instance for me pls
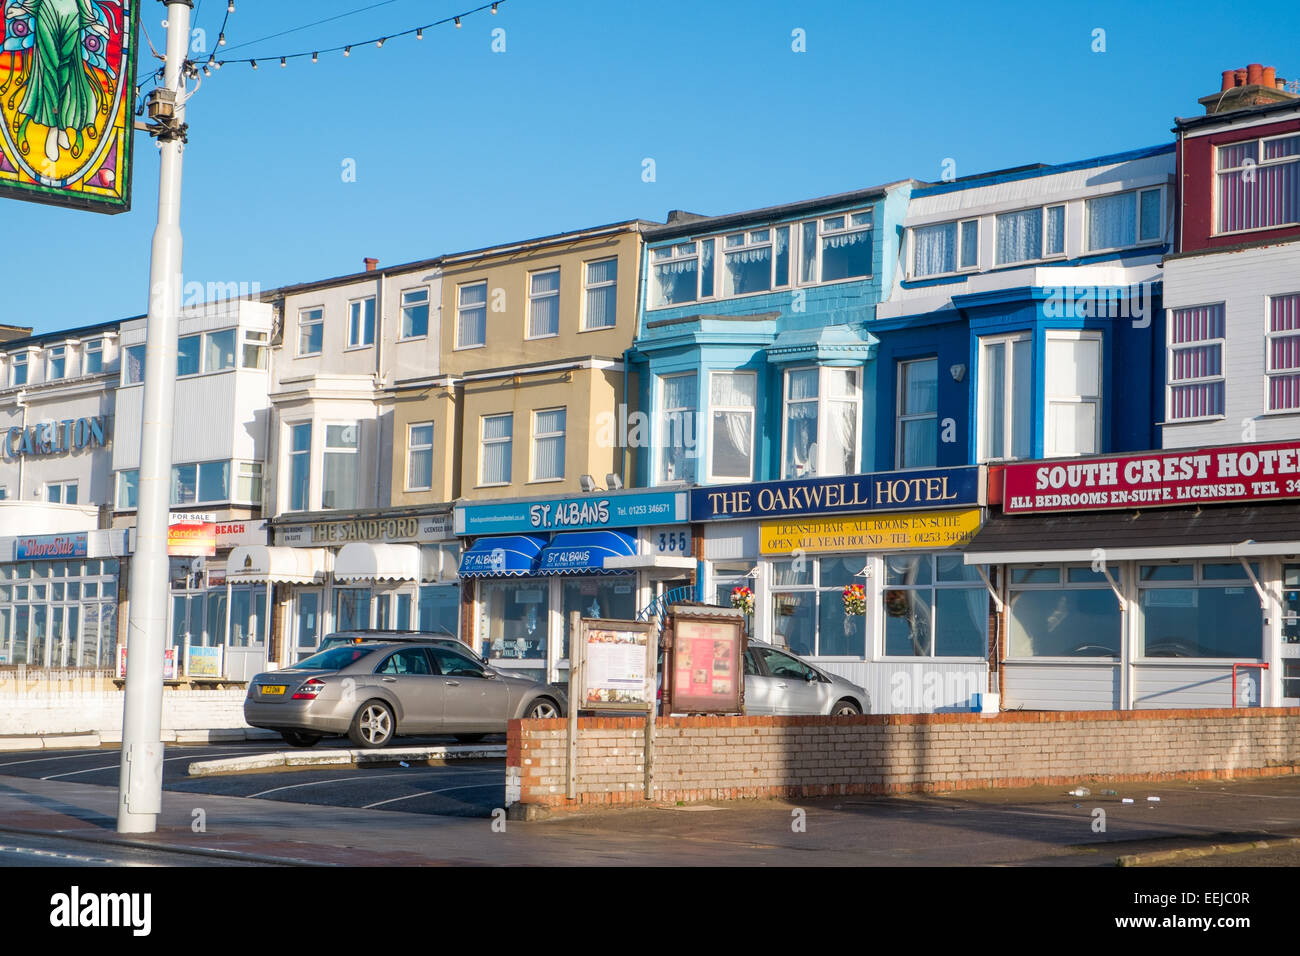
(457, 147)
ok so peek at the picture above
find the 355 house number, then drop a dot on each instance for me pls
(674, 542)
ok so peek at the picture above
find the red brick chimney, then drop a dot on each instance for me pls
(371, 264)
(1244, 87)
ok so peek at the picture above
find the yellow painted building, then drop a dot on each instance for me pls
(532, 339)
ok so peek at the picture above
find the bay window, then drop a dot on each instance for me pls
(822, 421)
(1005, 399)
(1259, 183)
(299, 467)
(934, 605)
(1199, 609)
(1073, 393)
(1058, 611)
(917, 432)
(679, 408)
(1196, 379)
(1124, 219)
(732, 397)
(342, 466)
(1282, 348)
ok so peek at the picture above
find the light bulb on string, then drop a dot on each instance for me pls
(221, 39)
(254, 62)
(494, 9)
(315, 57)
(458, 23)
(419, 34)
(347, 51)
(230, 7)
(380, 42)
(282, 63)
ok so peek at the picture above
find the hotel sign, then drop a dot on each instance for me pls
(389, 529)
(572, 514)
(1217, 475)
(881, 491)
(53, 438)
(880, 532)
(50, 547)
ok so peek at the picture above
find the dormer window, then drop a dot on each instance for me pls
(92, 358)
(18, 369)
(57, 364)
(1259, 184)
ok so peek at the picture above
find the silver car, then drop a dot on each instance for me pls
(374, 691)
(777, 682)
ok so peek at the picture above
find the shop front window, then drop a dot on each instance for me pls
(934, 606)
(613, 597)
(247, 615)
(1063, 612)
(439, 608)
(808, 607)
(513, 619)
(351, 609)
(1201, 610)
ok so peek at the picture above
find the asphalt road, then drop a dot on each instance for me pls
(471, 788)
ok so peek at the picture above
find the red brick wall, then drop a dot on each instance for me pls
(718, 758)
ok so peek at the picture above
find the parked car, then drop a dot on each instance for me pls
(339, 638)
(374, 690)
(778, 682)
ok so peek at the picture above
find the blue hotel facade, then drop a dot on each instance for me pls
(1007, 316)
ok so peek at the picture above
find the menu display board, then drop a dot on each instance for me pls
(616, 668)
(707, 676)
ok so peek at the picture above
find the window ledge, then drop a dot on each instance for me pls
(544, 481)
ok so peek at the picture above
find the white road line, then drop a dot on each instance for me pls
(426, 793)
(354, 779)
(73, 773)
(66, 756)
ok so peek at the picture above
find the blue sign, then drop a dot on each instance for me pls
(590, 512)
(51, 547)
(842, 494)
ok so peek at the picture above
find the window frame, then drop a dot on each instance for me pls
(959, 246)
(508, 440)
(537, 436)
(1051, 398)
(1005, 341)
(1220, 342)
(822, 400)
(252, 471)
(748, 244)
(752, 411)
(402, 335)
(1197, 582)
(1043, 254)
(307, 322)
(1063, 583)
(63, 487)
(689, 417)
(92, 347)
(51, 358)
(19, 360)
(460, 310)
(932, 589)
(124, 490)
(902, 418)
(588, 286)
(291, 455)
(535, 297)
(128, 352)
(1270, 373)
(1138, 241)
(359, 324)
(326, 450)
(260, 342)
(412, 448)
(1259, 142)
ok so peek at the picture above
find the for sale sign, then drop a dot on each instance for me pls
(1227, 473)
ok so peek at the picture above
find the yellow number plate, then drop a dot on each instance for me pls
(272, 690)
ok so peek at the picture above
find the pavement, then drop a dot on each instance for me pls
(1030, 827)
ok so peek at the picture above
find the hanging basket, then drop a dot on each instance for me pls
(855, 600)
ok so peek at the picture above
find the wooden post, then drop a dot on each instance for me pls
(652, 652)
(576, 661)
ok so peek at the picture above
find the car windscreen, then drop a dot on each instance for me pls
(336, 658)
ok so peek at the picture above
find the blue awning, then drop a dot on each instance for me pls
(504, 557)
(584, 552)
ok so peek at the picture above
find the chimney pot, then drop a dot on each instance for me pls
(1269, 78)
(371, 264)
(1254, 74)
(1239, 76)
(1229, 80)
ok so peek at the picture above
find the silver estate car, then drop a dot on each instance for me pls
(375, 690)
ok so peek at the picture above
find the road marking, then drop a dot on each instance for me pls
(427, 793)
(116, 766)
(354, 779)
(51, 854)
(66, 756)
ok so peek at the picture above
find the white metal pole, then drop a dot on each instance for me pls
(140, 786)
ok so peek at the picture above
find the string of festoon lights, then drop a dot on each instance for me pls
(216, 62)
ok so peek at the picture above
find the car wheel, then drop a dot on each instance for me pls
(298, 738)
(373, 725)
(470, 738)
(846, 708)
(542, 709)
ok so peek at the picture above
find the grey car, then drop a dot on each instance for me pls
(374, 691)
(778, 682)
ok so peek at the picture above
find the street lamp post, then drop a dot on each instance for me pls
(140, 786)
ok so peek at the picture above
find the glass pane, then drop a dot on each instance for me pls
(187, 355)
(1064, 623)
(920, 387)
(220, 351)
(1055, 233)
(1166, 572)
(841, 437)
(800, 440)
(732, 440)
(970, 250)
(745, 271)
(792, 619)
(839, 634)
(214, 481)
(839, 572)
(513, 618)
(920, 441)
(1112, 221)
(1035, 575)
(846, 256)
(791, 573)
(1074, 366)
(308, 619)
(961, 622)
(1019, 236)
(808, 252)
(993, 404)
(216, 625)
(185, 481)
(440, 609)
(351, 609)
(613, 596)
(676, 282)
(908, 622)
(415, 314)
(934, 249)
(783, 256)
(1021, 397)
(1202, 622)
(706, 268)
(1150, 214)
(951, 567)
(907, 571)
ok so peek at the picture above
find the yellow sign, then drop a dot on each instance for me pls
(876, 532)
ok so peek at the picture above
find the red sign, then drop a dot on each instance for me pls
(1186, 476)
(192, 540)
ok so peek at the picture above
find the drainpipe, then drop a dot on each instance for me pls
(20, 401)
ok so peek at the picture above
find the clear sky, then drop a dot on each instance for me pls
(456, 146)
